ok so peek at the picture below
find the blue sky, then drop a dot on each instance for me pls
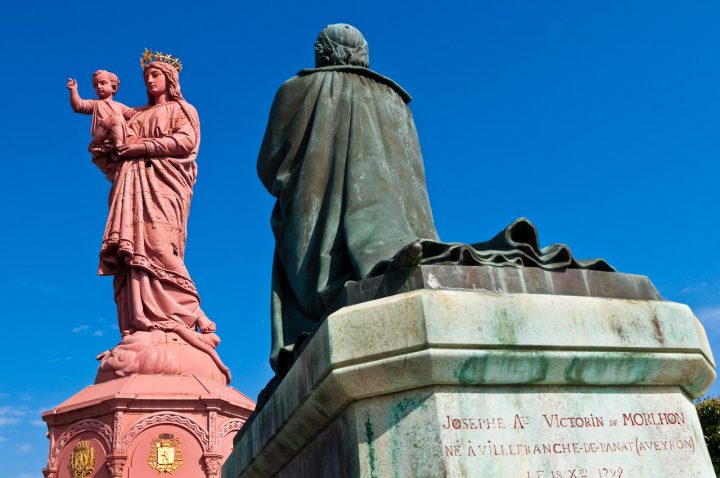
(599, 121)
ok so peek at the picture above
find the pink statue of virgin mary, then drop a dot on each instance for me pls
(144, 241)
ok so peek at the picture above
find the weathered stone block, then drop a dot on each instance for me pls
(458, 383)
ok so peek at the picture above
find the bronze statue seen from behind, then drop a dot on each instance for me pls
(342, 157)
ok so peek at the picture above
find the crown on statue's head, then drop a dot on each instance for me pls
(149, 57)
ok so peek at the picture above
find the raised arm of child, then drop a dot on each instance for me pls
(78, 104)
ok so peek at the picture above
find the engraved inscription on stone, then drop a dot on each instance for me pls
(544, 438)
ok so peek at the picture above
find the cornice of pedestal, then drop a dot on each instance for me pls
(147, 394)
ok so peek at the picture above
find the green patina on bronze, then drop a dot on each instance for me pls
(342, 156)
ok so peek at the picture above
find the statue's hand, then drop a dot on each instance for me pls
(410, 255)
(72, 84)
(129, 151)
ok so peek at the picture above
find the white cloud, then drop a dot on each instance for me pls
(37, 422)
(693, 288)
(24, 448)
(10, 411)
(38, 286)
(10, 415)
(60, 359)
(709, 315)
(80, 328)
(98, 333)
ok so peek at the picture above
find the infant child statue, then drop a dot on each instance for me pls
(109, 129)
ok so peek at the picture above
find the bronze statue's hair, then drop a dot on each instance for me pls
(114, 80)
(341, 44)
(172, 81)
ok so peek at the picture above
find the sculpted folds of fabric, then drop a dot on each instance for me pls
(342, 156)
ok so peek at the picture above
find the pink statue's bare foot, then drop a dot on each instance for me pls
(206, 325)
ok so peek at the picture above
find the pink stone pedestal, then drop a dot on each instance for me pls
(120, 419)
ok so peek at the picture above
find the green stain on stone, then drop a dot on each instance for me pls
(370, 436)
(504, 328)
(525, 367)
(697, 381)
(538, 368)
(574, 371)
(403, 408)
(471, 370)
(608, 370)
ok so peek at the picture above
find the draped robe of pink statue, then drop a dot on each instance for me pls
(144, 241)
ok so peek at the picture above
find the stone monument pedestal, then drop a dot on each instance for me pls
(146, 426)
(489, 372)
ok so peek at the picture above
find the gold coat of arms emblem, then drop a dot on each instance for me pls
(82, 460)
(165, 453)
